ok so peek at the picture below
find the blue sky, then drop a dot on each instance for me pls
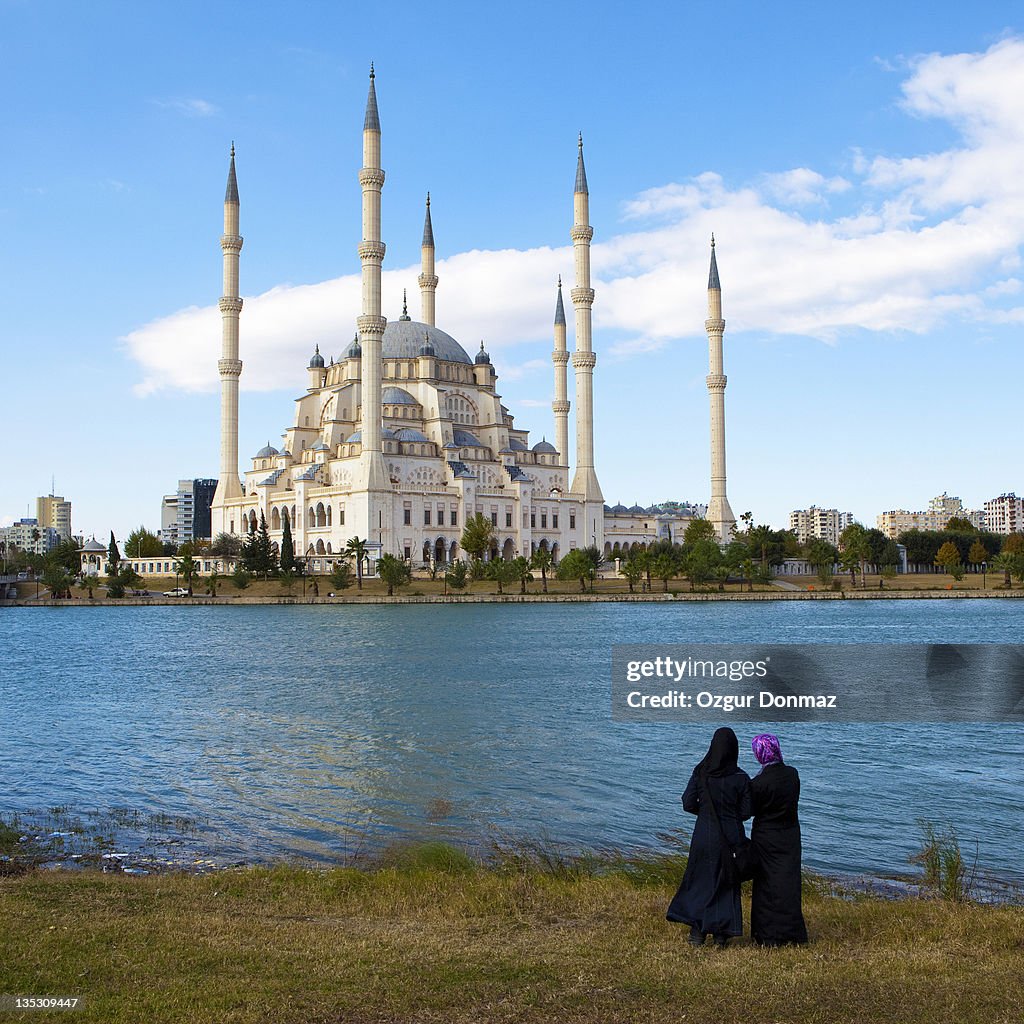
(861, 168)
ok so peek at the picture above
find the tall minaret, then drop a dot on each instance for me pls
(719, 512)
(371, 323)
(428, 279)
(584, 484)
(230, 366)
(560, 357)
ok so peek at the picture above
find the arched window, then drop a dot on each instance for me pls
(275, 519)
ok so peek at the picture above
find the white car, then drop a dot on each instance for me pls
(177, 592)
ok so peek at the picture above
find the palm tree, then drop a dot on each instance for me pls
(501, 571)
(522, 570)
(541, 560)
(187, 569)
(1005, 564)
(633, 570)
(356, 550)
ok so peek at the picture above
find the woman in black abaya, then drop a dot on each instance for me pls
(708, 900)
(775, 914)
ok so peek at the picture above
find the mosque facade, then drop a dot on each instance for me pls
(403, 436)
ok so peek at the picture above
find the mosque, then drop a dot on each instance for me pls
(403, 437)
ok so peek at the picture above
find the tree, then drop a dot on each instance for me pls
(457, 577)
(522, 572)
(1014, 544)
(888, 559)
(960, 525)
(129, 578)
(633, 571)
(287, 579)
(262, 559)
(477, 535)
(395, 572)
(187, 568)
(977, 554)
(665, 567)
(57, 581)
(1005, 563)
(113, 554)
(89, 582)
(822, 556)
(701, 562)
(211, 583)
(66, 555)
(356, 550)
(576, 566)
(141, 543)
(287, 558)
(698, 530)
(227, 546)
(948, 557)
(541, 560)
(501, 572)
(341, 576)
(241, 577)
(856, 549)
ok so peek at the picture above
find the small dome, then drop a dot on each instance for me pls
(320, 447)
(482, 358)
(354, 438)
(545, 447)
(355, 350)
(408, 434)
(427, 349)
(638, 508)
(317, 362)
(620, 508)
(464, 439)
(387, 434)
(268, 451)
(397, 396)
(93, 545)
(516, 445)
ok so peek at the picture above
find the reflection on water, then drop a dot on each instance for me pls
(315, 731)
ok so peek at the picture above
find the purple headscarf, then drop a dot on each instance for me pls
(766, 748)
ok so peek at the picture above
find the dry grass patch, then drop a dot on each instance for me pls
(462, 943)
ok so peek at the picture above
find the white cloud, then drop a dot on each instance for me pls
(931, 239)
(189, 107)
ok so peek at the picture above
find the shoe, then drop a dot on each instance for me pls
(697, 937)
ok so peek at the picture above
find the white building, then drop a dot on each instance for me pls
(1005, 514)
(940, 510)
(824, 523)
(402, 436)
(31, 536)
(185, 515)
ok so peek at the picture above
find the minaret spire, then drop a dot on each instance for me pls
(719, 511)
(584, 485)
(229, 485)
(428, 277)
(371, 322)
(560, 358)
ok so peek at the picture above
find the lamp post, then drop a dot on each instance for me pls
(984, 575)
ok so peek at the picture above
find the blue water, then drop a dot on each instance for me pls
(319, 730)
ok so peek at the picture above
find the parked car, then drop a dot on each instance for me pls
(177, 592)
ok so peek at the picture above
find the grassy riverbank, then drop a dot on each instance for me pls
(430, 936)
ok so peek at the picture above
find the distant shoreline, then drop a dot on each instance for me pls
(206, 600)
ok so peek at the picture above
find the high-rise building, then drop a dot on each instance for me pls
(31, 536)
(1005, 514)
(185, 515)
(824, 523)
(940, 510)
(53, 511)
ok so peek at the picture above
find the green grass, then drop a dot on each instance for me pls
(427, 934)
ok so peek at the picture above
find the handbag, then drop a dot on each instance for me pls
(740, 860)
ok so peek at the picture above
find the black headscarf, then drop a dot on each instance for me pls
(722, 755)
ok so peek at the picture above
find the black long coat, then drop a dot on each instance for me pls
(775, 914)
(706, 898)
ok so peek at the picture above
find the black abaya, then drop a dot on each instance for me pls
(775, 914)
(706, 899)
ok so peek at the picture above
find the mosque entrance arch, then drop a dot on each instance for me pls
(439, 551)
(508, 550)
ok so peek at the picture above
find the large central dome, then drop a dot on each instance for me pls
(403, 339)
